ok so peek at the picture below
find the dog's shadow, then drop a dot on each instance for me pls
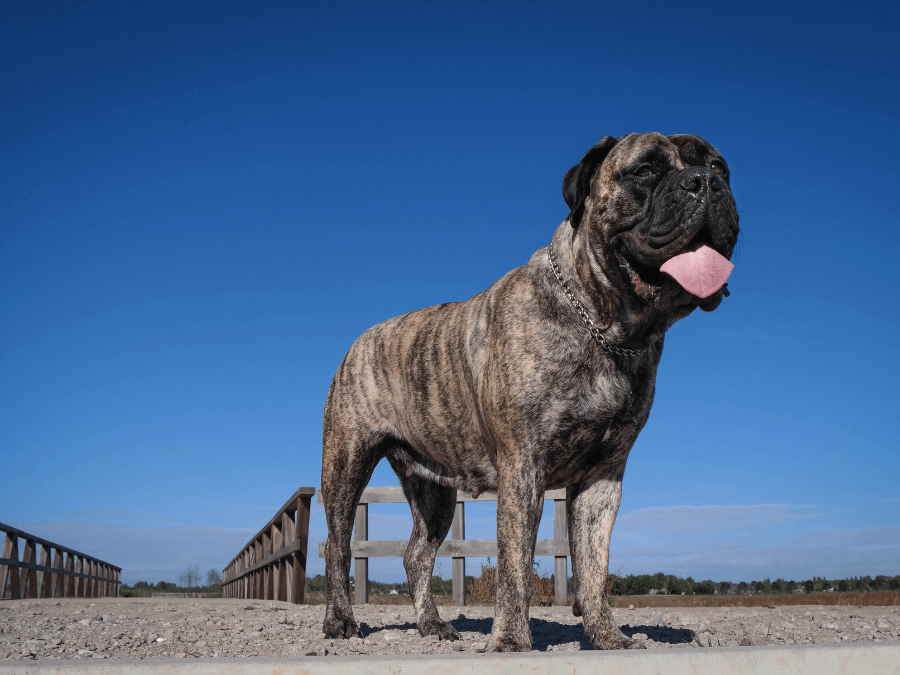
(548, 634)
(666, 634)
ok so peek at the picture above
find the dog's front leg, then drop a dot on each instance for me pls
(592, 507)
(519, 504)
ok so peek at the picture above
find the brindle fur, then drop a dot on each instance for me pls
(508, 392)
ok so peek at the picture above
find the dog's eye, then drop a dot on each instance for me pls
(643, 171)
(718, 167)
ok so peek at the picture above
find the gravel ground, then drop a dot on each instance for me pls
(113, 628)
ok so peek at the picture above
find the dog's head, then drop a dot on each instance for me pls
(647, 198)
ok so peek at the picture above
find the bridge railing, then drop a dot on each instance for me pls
(457, 547)
(48, 570)
(272, 566)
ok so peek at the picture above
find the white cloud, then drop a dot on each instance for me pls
(828, 553)
(713, 518)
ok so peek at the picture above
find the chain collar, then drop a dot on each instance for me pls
(591, 326)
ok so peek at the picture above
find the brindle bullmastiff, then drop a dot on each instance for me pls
(542, 381)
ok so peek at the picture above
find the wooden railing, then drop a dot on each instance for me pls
(272, 566)
(457, 547)
(58, 572)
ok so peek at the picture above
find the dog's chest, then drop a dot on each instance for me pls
(598, 421)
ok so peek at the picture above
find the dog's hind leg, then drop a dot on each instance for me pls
(432, 507)
(349, 456)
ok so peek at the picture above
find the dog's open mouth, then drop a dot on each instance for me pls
(646, 279)
(699, 269)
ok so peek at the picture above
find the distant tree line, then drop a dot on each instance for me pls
(188, 582)
(668, 584)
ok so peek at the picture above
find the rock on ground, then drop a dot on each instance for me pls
(111, 628)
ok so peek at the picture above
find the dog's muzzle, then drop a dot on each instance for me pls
(686, 244)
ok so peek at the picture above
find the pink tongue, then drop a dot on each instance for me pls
(702, 272)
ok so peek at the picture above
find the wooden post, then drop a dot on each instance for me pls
(361, 593)
(10, 552)
(275, 567)
(57, 579)
(285, 588)
(69, 582)
(90, 568)
(28, 577)
(266, 570)
(559, 562)
(458, 533)
(43, 578)
(302, 521)
(258, 574)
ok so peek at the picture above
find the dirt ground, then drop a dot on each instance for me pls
(111, 628)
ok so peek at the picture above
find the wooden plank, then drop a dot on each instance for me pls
(394, 495)
(458, 533)
(560, 590)
(277, 541)
(470, 548)
(361, 564)
(287, 528)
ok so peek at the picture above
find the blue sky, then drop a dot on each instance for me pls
(202, 205)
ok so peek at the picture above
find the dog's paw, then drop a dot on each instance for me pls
(337, 629)
(442, 629)
(615, 640)
(508, 644)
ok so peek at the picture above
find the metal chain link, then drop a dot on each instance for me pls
(591, 326)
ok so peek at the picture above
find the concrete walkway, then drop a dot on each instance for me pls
(852, 659)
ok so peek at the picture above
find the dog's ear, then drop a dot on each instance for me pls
(577, 181)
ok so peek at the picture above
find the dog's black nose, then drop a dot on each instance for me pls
(696, 179)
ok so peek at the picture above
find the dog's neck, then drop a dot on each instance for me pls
(624, 319)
